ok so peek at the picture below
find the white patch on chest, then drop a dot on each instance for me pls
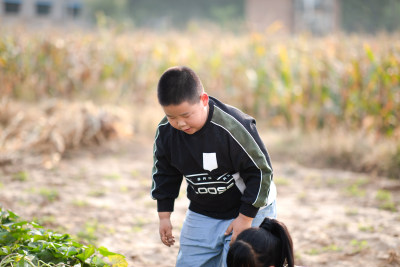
(210, 161)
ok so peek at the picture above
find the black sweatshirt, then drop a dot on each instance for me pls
(225, 164)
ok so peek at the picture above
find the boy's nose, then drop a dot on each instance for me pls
(181, 123)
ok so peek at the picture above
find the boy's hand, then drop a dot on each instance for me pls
(239, 224)
(166, 228)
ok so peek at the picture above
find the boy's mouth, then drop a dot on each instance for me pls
(187, 130)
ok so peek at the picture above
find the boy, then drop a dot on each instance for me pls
(217, 149)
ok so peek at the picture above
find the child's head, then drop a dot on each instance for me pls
(183, 99)
(179, 84)
(268, 245)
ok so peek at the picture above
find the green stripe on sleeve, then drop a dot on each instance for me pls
(250, 146)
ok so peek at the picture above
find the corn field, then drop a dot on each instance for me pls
(303, 81)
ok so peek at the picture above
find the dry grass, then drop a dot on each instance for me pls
(342, 149)
(51, 128)
(55, 126)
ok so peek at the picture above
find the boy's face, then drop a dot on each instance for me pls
(187, 117)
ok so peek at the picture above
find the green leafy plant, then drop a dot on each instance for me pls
(332, 247)
(366, 228)
(386, 201)
(329, 248)
(27, 244)
(313, 251)
(355, 189)
(89, 231)
(383, 195)
(50, 194)
(21, 176)
(359, 245)
(351, 212)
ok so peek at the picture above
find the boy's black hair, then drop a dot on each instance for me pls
(270, 244)
(179, 84)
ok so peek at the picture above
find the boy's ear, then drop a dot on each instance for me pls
(204, 99)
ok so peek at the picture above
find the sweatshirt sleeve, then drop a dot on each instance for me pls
(250, 156)
(166, 179)
(255, 169)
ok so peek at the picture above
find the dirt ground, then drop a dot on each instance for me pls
(101, 194)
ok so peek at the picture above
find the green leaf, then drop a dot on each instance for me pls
(71, 251)
(12, 215)
(97, 261)
(20, 223)
(86, 253)
(6, 238)
(369, 53)
(105, 252)
(37, 226)
(38, 237)
(22, 263)
(76, 244)
(33, 246)
(5, 251)
(45, 255)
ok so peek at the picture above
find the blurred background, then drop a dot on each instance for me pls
(307, 65)
(322, 78)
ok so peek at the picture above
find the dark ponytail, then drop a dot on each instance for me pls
(270, 244)
(284, 243)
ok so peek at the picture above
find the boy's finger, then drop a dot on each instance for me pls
(164, 239)
(229, 229)
(233, 238)
(168, 240)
